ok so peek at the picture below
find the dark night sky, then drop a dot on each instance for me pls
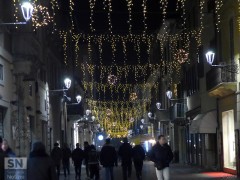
(119, 15)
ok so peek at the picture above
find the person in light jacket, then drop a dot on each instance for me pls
(161, 154)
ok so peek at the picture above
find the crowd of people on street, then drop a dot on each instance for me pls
(42, 166)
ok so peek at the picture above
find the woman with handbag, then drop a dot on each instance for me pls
(161, 154)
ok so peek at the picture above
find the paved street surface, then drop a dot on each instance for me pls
(182, 172)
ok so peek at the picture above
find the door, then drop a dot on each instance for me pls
(229, 150)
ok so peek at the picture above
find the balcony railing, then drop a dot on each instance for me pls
(178, 111)
(220, 75)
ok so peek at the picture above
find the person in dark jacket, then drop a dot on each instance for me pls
(108, 157)
(87, 148)
(93, 162)
(66, 154)
(2, 156)
(161, 154)
(6, 149)
(138, 157)
(77, 157)
(125, 152)
(39, 165)
(56, 155)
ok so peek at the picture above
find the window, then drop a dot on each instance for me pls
(1, 72)
(1, 123)
(30, 90)
(231, 30)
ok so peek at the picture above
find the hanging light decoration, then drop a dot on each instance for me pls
(181, 56)
(109, 112)
(114, 124)
(149, 114)
(41, 16)
(158, 105)
(88, 112)
(112, 79)
(210, 57)
(131, 120)
(133, 96)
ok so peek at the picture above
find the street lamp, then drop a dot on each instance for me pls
(150, 115)
(169, 93)
(210, 57)
(88, 112)
(67, 83)
(233, 68)
(158, 105)
(79, 98)
(27, 10)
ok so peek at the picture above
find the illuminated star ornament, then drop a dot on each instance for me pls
(41, 16)
(112, 79)
(181, 56)
(133, 96)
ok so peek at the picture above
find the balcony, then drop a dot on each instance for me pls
(178, 111)
(222, 81)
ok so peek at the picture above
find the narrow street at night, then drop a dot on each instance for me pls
(151, 86)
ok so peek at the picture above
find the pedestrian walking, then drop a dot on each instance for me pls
(108, 158)
(39, 165)
(6, 149)
(87, 148)
(66, 154)
(138, 157)
(56, 155)
(93, 162)
(125, 152)
(2, 156)
(161, 154)
(77, 157)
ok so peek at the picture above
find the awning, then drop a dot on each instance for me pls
(204, 123)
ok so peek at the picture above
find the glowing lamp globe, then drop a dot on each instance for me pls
(169, 94)
(100, 137)
(78, 98)
(27, 10)
(210, 57)
(67, 83)
(88, 112)
(149, 114)
(158, 105)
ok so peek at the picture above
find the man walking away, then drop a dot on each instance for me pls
(2, 156)
(86, 151)
(77, 157)
(66, 154)
(40, 166)
(108, 157)
(93, 162)
(161, 154)
(125, 152)
(138, 157)
(56, 155)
